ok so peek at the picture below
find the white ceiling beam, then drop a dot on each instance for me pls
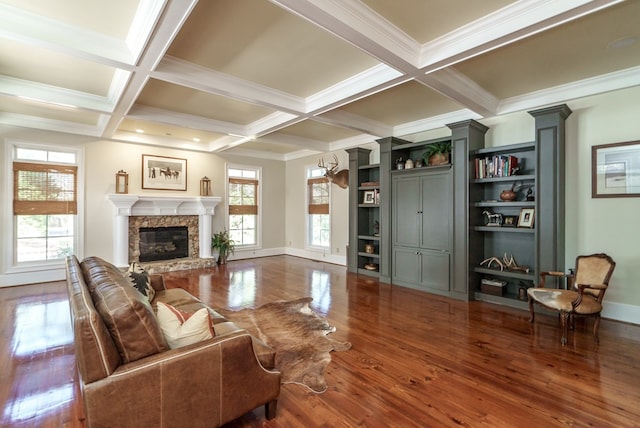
(156, 115)
(460, 88)
(172, 19)
(25, 121)
(355, 122)
(53, 94)
(25, 27)
(517, 21)
(359, 25)
(180, 72)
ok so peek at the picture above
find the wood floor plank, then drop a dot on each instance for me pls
(417, 360)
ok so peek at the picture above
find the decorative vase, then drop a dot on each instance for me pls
(508, 195)
(439, 159)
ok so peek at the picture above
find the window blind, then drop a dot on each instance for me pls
(243, 197)
(44, 189)
(318, 195)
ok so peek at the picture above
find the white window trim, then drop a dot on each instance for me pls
(307, 216)
(258, 244)
(9, 225)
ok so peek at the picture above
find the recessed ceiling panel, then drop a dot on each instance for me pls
(266, 145)
(401, 104)
(162, 130)
(577, 50)
(112, 17)
(52, 68)
(185, 100)
(260, 42)
(47, 111)
(314, 130)
(428, 20)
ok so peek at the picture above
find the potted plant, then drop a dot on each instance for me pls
(224, 244)
(437, 153)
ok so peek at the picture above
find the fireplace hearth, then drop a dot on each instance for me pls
(163, 243)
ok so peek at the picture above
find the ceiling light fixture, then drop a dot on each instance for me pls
(236, 135)
(140, 131)
(197, 140)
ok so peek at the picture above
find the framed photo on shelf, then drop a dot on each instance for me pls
(526, 217)
(509, 221)
(369, 197)
(164, 173)
(615, 170)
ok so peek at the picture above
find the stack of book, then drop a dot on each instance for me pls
(496, 166)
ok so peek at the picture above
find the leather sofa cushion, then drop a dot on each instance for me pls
(126, 313)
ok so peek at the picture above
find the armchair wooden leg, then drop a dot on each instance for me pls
(270, 409)
(596, 323)
(563, 324)
(533, 314)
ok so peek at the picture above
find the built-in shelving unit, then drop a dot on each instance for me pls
(534, 248)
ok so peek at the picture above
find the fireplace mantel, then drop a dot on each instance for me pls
(163, 205)
(127, 205)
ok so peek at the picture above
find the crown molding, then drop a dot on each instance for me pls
(153, 114)
(433, 122)
(580, 89)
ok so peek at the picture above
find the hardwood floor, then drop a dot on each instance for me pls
(417, 360)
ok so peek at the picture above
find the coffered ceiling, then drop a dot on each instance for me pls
(290, 78)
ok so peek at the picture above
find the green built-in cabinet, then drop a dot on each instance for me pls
(432, 234)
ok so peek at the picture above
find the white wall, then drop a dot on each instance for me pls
(296, 208)
(606, 225)
(593, 225)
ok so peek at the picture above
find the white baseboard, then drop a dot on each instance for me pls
(621, 312)
(32, 277)
(297, 252)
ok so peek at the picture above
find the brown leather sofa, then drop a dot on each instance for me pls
(130, 377)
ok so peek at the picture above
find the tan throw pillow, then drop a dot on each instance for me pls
(181, 328)
(139, 279)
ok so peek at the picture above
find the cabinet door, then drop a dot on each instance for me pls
(437, 200)
(435, 270)
(406, 267)
(406, 209)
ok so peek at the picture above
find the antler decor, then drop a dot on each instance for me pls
(507, 262)
(340, 178)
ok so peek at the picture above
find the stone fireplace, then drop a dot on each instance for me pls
(134, 213)
(163, 243)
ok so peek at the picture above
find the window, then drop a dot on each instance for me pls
(45, 204)
(319, 231)
(243, 205)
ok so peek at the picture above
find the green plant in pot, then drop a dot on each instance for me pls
(437, 153)
(224, 244)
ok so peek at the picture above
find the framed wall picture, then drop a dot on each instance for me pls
(369, 197)
(526, 217)
(615, 170)
(164, 173)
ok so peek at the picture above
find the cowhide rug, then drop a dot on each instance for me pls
(297, 334)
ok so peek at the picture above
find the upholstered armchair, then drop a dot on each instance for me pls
(584, 293)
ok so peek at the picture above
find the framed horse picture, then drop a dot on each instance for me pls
(164, 173)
